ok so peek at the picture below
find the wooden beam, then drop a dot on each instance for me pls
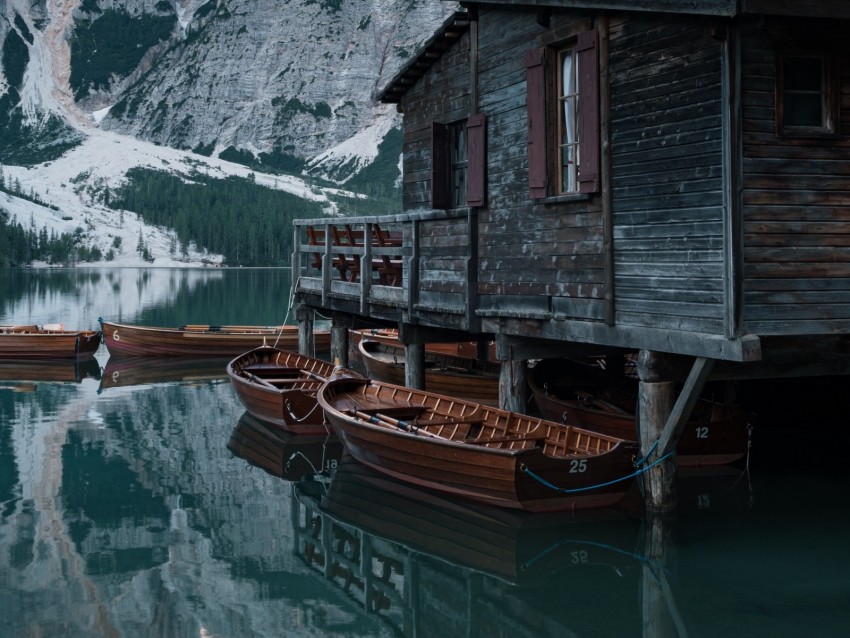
(685, 404)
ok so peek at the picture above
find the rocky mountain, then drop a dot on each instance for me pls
(280, 86)
(279, 81)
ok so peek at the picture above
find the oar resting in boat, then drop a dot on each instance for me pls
(417, 426)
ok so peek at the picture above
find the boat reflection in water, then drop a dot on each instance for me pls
(67, 370)
(281, 453)
(422, 560)
(127, 371)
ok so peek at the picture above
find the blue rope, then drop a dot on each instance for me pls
(642, 459)
(638, 472)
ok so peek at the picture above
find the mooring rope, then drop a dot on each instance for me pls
(638, 472)
(292, 414)
(288, 310)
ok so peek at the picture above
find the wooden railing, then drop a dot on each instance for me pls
(420, 266)
(350, 258)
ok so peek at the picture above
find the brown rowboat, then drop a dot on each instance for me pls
(280, 387)
(32, 342)
(200, 340)
(448, 374)
(466, 349)
(475, 451)
(585, 396)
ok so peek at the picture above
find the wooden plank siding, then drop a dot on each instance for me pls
(667, 173)
(796, 198)
(534, 258)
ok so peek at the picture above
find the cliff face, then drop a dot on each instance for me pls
(275, 81)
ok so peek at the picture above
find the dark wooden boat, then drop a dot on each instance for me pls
(280, 387)
(47, 342)
(516, 546)
(128, 371)
(67, 370)
(445, 374)
(466, 349)
(583, 395)
(475, 451)
(283, 454)
(200, 340)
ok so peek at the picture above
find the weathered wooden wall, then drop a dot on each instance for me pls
(666, 123)
(536, 259)
(443, 94)
(796, 204)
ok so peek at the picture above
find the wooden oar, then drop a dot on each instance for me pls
(382, 419)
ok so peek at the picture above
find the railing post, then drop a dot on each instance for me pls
(366, 269)
(327, 263)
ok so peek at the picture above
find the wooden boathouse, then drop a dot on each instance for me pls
(665, 177)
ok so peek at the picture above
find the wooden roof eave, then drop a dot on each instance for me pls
(449, 32)
(729, 8)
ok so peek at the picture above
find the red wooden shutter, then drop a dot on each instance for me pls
(588, 112)
(476, 157)
(535, 77)
(440, 188)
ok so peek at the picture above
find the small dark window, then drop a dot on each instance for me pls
(458, 163)
(805, 100)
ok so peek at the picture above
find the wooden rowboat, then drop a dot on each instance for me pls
(582, 395)
(48, 342)
(283, 454)
(200, 340)
(280, 387)
(466, 349)
(475, 451)
(462, 377)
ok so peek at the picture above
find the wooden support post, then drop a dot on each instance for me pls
(340, 324)
(513, 386)
(306, 320)
(414, 366)
(681, 412)
(655, 403)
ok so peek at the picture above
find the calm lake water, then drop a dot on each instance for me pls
(140, 500)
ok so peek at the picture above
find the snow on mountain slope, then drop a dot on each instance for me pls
(103, 160)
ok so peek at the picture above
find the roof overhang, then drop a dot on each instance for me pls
(728, 8)
(449, 32)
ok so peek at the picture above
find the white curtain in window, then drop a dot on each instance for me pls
(570, 140)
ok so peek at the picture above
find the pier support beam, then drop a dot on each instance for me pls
(306, 320)
(661, 421)
(513, 386)
(414, 366)
(340, 324)
(655, 404)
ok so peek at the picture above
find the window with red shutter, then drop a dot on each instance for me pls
(563, 128)
(458, 163)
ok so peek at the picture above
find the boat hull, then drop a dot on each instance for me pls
(279, 387)
(200, 341)
(444, 374)
(490, 470)
(715, 435)
(48, 344)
